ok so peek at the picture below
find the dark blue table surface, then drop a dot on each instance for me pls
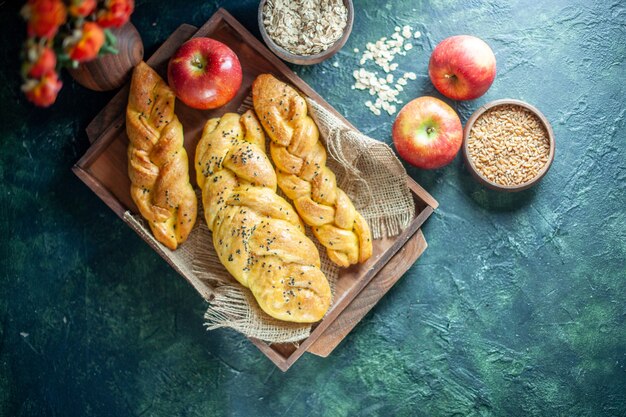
(516, 308)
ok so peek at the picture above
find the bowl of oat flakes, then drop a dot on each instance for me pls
(305, 32)
(508, 145)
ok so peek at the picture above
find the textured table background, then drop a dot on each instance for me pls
(517, 307)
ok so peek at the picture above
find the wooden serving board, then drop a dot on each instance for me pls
(104, 169)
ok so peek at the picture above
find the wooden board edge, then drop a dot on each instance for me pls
(101, 143)
(421, 192)
(327, 321)
(107, 115)
(303, 86)
(413, 228)
(118, 209)
(324, 347)
(220, 14)
(262, 49)
(271, 354)
(162, 251)
(94, 150)
(101, 191)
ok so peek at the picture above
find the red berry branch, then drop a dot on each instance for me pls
(65, 34)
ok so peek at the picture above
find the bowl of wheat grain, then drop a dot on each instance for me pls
(508, 145)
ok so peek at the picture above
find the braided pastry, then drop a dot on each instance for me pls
(157, 162)
(300, 160)
(256, 233)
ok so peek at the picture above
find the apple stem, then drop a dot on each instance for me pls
(430, 130)
(196, 62)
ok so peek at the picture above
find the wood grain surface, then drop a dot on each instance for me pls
(370, 295)
(104, 169)
(111, 71)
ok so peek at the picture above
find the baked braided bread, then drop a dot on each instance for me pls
(157, 162)
(300, 160)
(256, 233)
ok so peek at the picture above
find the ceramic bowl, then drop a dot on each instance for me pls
(307, 59)
(469, 163)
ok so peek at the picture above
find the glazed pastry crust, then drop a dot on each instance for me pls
(157, 161)
(302, 174)
(258, 236)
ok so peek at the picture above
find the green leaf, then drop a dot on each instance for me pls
(109, 38)
(107, 49)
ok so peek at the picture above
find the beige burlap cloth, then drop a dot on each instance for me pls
(366, 169)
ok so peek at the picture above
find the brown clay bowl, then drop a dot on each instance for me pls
(469, 163)
(285, 55)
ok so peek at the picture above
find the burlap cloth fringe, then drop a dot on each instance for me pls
(366, 169)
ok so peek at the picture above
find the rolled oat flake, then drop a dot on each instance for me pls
(305, 27)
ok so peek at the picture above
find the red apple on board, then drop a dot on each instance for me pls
(204, 73)
(462, 67)
(427, 133)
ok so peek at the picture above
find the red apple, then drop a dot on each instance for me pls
(462, 67)
(427, 133)
(204, 73)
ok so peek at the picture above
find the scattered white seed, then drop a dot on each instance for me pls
(356, 50)
(382, 53)
(406, 31)
(417, 34)
(336, 64)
